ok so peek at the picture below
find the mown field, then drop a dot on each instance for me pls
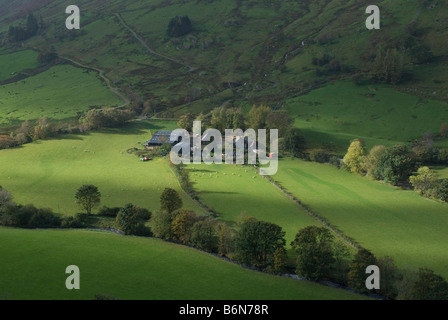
(338, 113)
(34, 262)
(58, 93)
(236, 191)
(48, 173)
(388, 221)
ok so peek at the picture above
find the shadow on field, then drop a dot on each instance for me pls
(200, 170)
(75, 136)
(219, 192)
(133, 128)
(331, 142)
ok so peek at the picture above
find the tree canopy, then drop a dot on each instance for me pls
(257, 242)
(179, 26)
(87, 197)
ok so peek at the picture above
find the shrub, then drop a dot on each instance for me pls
(394, 165)
(334, 161)
(204, 235)
(105, 118)
(131, 220)
(105, 211)
(44, 218)
(7, 142)
(441, 156)
(424, 182)
(318, 155)
(441, 190)
(79, 221)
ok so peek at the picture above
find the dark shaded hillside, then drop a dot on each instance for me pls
(246, 52)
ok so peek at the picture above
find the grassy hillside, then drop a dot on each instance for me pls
(133, 268)
(48, 173)
(265, 49)
(388, 221)
(341, 112)
(13, 63)
(58, 93)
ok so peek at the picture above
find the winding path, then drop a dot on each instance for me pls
(101, 74)
(151, 51)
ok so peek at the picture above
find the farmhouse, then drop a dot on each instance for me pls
(159, 138)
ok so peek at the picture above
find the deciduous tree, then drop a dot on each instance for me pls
(182, 225)
(280, 120)
(394, 165)
(204, 234)
(357, 275)
(293, 142)
(186, 121)
(425, 181)
(315, 254)
(354, 158)
(257, 242)
(88, 197)
(257, 117)
(170, 200)
(131, 219)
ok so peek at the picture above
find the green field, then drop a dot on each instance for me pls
(13, 63)
(34, 262)
(48, 173)
(58, 93)
(237, 191)
(441, 171)
(338, 113)
(388, 221)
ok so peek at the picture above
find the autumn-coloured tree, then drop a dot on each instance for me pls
(186, 121)
(182, 225)
(424, 181)
(371, 161)
(257, 117)
(354, 158)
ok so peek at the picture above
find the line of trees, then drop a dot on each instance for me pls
(253, 243)
(399, 165)
(28, 216)
(43, 128)
(291, 140)
(261, 245)
(320, 257)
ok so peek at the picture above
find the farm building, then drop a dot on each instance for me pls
(159, 138)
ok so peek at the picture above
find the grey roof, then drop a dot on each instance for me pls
(159, 138)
